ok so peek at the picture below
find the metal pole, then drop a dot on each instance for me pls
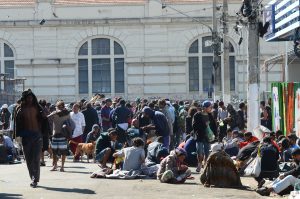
(226, 68)
(215, 46)
(286, 68)
(253, 69)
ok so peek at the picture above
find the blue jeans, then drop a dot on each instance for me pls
(203, 148)
(166, 143)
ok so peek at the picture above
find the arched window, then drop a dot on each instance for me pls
(101, 60)
(7, 65)
(201, 65)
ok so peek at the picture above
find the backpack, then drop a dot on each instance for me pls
(68, 128)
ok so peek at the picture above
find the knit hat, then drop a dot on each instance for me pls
(180, 151)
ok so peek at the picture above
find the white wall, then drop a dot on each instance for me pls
(156, 48)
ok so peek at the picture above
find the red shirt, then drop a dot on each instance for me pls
(252, 139)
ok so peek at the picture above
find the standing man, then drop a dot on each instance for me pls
(121, 118)
(200, 125)
(222, 115)
(29, 120)
(59, 142)
(79, 121)
(91, 118)
(5, 115)
(166, 111)
(105, 111)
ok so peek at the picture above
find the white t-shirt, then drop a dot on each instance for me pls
(79, 123)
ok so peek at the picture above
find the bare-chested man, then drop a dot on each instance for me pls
(28, 125)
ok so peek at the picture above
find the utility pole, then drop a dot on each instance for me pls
(253, 68)
(216, 43)
(225, 70)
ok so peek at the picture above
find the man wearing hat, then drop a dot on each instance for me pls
(201, 121)
(290, 178)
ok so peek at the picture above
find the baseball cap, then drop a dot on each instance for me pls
(206, 104)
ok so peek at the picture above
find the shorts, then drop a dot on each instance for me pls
(59, 146)
(203, 148)
(99, 157)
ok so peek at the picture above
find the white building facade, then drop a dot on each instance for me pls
(68, 49)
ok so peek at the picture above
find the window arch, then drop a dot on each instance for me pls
(200, 56)
(101, 67)
(7, 65)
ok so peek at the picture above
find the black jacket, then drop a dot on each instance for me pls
(199, 127)
(91, 118)
(294, 172)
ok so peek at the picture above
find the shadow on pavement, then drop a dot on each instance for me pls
(67, 190)
(10, 196)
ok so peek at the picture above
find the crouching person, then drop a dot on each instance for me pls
(172, 168)
(285, 180)
(105, 147)
(219, 170)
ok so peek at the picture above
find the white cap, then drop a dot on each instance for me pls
(216, 147)
(4, 106)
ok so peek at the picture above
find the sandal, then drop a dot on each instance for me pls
(53, 168)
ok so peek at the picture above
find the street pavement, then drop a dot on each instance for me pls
(75, 183)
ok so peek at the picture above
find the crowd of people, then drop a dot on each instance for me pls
(159, 138)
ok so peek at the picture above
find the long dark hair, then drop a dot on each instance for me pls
(27, 93)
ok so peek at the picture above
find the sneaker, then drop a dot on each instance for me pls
(33, 184)
(43, 164)
(198, 169)
(263, 192)
(167, 176)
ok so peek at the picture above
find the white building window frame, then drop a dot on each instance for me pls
(4, 58)
(111, 56)
(200, 56)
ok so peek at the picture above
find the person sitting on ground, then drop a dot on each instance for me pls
(248, 139)
(172, 168)
(94, 134)
(9, 145)
(220, 170)
(293, 141)
(133, 156)
(285, 180)
(286, 151)
(245, 153)
(134, 132)
(106, 145)
(230, 142)
(190, 148)
(269, 160)
(156, 151)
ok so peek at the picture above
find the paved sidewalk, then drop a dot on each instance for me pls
(76, 183)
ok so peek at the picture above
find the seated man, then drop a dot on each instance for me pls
(106, 145)
(220, 170)
(249, 138)
(134, 132)
(9, 146)
(133, 156)
(156, 151)
(172, 168)
(230, 142)
(94, 134)
(190, 148)
(290, 178)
